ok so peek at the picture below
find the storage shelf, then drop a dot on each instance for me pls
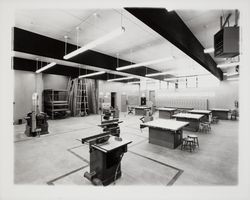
(55, 101)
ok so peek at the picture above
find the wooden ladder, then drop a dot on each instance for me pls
(81, 98)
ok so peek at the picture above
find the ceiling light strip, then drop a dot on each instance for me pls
(231, 74)
(46, 67)
(92, 74)
(145, 63)
(225, 65)
(120, 79)
(95, 43)
(209, 50)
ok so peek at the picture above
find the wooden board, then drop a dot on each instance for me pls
(165, 124)
(188, 116)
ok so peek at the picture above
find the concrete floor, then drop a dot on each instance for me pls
(60, 158)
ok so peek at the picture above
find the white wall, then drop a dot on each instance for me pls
(221, 96)
(51, 81)
(120, 88)
(25, 86)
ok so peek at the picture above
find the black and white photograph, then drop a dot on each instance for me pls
(125, 100)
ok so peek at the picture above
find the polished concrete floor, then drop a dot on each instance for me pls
(60, 158)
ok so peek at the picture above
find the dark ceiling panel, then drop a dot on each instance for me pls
(32, 43)
(30, 65)
(130, 80)
(170, 26)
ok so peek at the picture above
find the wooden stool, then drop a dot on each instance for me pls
(183, 142)
(188, 142)
(195, 139)
(215, 120)
(205, 127)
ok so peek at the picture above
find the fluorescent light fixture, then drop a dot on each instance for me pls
(157, 74)
(92, 74)
(233, 79)
(95, 43)
(169, 9)
(209, 50)
(231, 74)
(225, 65)
(145, 63)
(45, 67)
(120, 79)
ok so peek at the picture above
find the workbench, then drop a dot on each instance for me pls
(193, 119)
(166, 113)
(220, 113)
(141, 110)
(165, 132)
(207, 114)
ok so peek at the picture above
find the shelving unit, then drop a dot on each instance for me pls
(55, 102)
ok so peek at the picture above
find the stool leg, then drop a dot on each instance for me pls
(197, 142)
(190, 146)
(183, 144)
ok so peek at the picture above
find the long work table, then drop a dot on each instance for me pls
(141, 110)
(220, 113)
(166, 113)
(193, 119)
(166, 133)
(206, 113)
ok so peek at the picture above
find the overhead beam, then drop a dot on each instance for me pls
(170, 26)
(33, 43)
(73, 72)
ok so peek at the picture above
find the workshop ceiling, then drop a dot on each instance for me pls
(139, 43)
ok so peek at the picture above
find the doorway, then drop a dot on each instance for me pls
(124, 103)
(152, 96)
(113, 99)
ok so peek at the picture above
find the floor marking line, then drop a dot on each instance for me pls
(172, 181)
(177, 175)
(64, 175)
(49, 135)
(78, 156)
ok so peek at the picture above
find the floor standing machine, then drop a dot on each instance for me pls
(106, 152)
(36, 121)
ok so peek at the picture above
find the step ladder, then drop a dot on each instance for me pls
(82, 107)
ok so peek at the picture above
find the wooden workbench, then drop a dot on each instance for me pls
(207, 114)
(166, 133)
(220, 113)
(166, 113)
(141, 110)
(193, 119)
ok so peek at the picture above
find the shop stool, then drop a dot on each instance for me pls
(205, 127)
(184, 140)
(215, 120)
(188, 143)
(195, 139)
